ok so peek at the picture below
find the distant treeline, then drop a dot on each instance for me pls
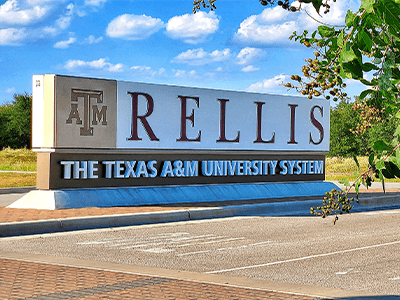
(15, 128)
(346, 143)
(15, 123)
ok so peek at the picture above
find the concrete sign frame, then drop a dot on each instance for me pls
(97, 133)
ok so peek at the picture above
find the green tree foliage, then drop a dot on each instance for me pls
(346, 140)
(343, 141)
(367, 49)
(368, 46)
(15, 122)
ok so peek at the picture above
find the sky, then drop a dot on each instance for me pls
(241, 46)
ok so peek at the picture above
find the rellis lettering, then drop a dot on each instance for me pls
(188, 120)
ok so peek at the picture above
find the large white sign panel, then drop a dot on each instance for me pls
(151, 116)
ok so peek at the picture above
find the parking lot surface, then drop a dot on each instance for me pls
(361, 253)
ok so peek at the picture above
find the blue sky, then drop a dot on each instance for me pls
(240, 46)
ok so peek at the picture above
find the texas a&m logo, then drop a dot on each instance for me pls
(87, 101)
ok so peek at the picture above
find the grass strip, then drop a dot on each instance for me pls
(17, 160)
(17, 180)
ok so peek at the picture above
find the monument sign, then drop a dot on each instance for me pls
(98, 133)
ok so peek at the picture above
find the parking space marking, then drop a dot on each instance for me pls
(227, 248)
(246, 246)
(169, 242)
(112, 240)
(192, 253)
(394, 278)
(200, 239)
(216, 241)
(176, 242)
(302, 258)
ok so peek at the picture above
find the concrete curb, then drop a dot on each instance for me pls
(17, 190)
(292, 208)
(92, 222)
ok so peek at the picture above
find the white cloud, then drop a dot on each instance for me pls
(250, 68)
(192, 28)
(185, 74)
(64, 44)
(12, 36)
(259, 30)
(10, 90)
(274, 25)
(94, 2)
(199, 57)
(336, 16)
(249, 55)
(40, 2)
(64, 21)
(100, 64)
(18, 18)
(92, 40)
(147, 71)
(268, 85)
(116, 68)
(12, 13)
(271, 15)
(133, 27)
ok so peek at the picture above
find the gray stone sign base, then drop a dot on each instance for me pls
(133, 196)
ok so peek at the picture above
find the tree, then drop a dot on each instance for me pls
(15, 122)
(343, 141)
(366, 46)
(346, 137)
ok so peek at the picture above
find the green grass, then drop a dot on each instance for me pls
(17, 180)
(338, 168)
(17, 160)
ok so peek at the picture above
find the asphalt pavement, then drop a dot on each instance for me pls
(17, 222)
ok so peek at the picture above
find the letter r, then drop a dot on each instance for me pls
(135, 117)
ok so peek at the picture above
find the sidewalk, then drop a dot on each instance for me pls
(31, 280)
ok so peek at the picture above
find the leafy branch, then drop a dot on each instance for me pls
(285, 4)
(337, 202)
(369, 42)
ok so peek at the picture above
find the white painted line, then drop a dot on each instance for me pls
(195, 237)
(171, 234)
(204, 242)
(227, 248)
(133, 245)
(157, 250)
(119, 240)
(94, 243)
(302, 258)
(394, 278)
(138, 246)
(246, 246)
(344, 272)
(196, 252)
(217, 241)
